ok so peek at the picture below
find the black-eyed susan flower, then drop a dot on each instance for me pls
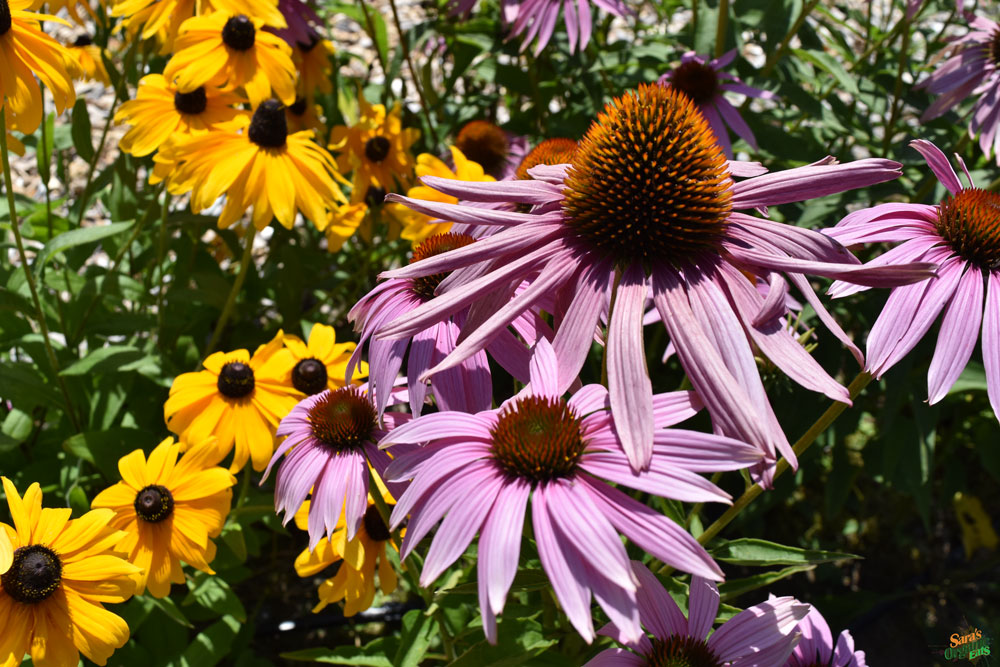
(342, 223)
(417, 226)
(362, 557)
(170, 509)
(497, 151)
(85, 63)
(239, 399)
(312, 60)
(154, 19)
(231, 50)
(376, 148)
(256, 164)
(160, 111)
(26, 51)
(56, 573)
(322, 363)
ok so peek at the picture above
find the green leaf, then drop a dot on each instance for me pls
(104, 448)
(232, 535)
(81, 130)
(736, 587)
(754, 552)
(21, 383)
(214, 593)
(973, 378)
(170, 608)
(77, 237)
(518, 642)
(343, 655)
(105, 359)
(419, 630)
(828, 63)
(212, 646)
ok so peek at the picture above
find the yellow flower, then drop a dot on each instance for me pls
(257, 164)
(354, 582)
(159, 112)
(341, 224)
(26, 51)
(313, 63)
(231, 50)
(56, 573)
(417, 227)
(322, 364)
(169, 509)
(376, 148)
(84, 62)
(159, 19)
(237, 398)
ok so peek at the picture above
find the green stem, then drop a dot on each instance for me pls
(897, 100)
(800, 446)
(161, 253)
(404, 41)
(227, 310)
(371, 33)
(720, 28)
(40, 314)
(778, 54)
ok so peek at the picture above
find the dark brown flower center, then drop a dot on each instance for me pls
(299, 107)
(239, 33)
(696, 80)
(375, 526)
(269, 127)
(550, 151)
(649, 182)
(993, 48)
(537, 439)
(377, 148)
(484, 143)
(375, 195)
(676, 651)
(6, 20)
(235, 380)
(191, 103)
(34, 574)
(83, 40)
(309, 376)
(342, 420)
(308, 46)
(970, 222)
(154, 503)
(424, 286)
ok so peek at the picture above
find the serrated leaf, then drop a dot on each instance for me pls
(214, 593)
(755, 552)
(81, 130)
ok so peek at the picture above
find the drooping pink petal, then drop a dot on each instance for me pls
(616, 657)
(757, 627)
(500, 543)
(958, 335)
(801, 183)
(938, 163)
(660, 614)
(991, 341)
(628, 380)
(673, 407)
(431, 474)
(660, 478)
(572, 595)
(575, 332)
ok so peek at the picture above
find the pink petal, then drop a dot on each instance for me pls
(628, 380)
(802, 183)
(657, 608)
(704, 606)
(991, 341)
(958, 335)
(757, 627)
(544, 370)
(938, 163)
(500, 543)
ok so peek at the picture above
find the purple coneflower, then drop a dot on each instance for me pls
(761, 635)
(536, 20)
(302, 22)
(705, 83)
(972, 69)
(962, 234)
(466, 387)
(817, 648)
(476, 472)
(649, 200)
(333, 434)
